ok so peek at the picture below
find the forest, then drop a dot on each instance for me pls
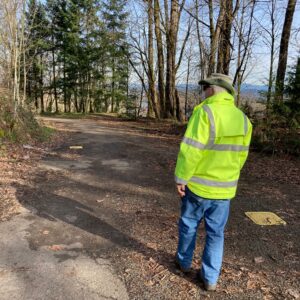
(144, 58)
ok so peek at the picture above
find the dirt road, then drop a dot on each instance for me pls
(101, 223)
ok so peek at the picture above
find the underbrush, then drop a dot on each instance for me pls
(21, 125)
(278, 131)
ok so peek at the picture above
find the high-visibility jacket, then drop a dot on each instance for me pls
(214, 148)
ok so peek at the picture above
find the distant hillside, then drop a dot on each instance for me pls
(253, 90)
(250, 90)
(247, 89)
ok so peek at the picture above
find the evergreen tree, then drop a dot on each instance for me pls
(84, 42)
(289, 110)
(293, 84)
(115, 20)
(36, 27)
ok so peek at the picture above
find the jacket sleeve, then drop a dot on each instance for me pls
(247, 140)
(192, 145)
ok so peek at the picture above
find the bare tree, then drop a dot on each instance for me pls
(151, 75)
(189, 58)
(244, 30)
(270, 34)
(172, 26)
(203, 51)
(224, 49)
(12, 36)
(160, 56)
(215, 32)
(141, 58)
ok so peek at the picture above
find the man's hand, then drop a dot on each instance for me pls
(181, 190)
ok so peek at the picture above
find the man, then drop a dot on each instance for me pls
(212, 153)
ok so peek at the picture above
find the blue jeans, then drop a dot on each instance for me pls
(215, 214)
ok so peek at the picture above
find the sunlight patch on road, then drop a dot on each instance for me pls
(60, 165)
(117, 164)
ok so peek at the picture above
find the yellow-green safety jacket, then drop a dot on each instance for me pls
(214, 148)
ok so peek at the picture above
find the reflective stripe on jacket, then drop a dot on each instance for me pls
(214, 148)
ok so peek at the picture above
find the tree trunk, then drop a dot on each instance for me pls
(283, 52)
(113, 86)
(202, 62)
(35, 87)
(42, 85)
(225, 39)
(64, 83)
(76, 99)
(187, 86)
(270, 84)
(160, 57)
(54, 75)
(238, 78)
(171, 35)
(25, 76)
(179, 116)
(214, 34)
(152, 89)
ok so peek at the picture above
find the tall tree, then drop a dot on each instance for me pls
(224, 49)
(151, 75)
(283, 52)
(215, 32)
(115, 16)
(36, 27)
(171, 40)
(160, 56)
(272, 38)
(245, 35)
(293, 85)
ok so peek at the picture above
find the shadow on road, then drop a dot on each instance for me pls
(54, 207)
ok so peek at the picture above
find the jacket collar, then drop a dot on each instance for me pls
(223, 98)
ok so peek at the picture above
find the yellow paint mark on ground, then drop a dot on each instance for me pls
(76, 147)
(264, 218)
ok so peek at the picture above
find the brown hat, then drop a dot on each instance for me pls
(221, 80)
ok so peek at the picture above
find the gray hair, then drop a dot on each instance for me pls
(217, 89)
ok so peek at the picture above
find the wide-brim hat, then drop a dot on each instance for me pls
(221, 80)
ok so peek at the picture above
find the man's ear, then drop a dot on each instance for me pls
(210, 91)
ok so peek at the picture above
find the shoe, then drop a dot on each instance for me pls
(182, 269)
(210, 287)
(207, 286)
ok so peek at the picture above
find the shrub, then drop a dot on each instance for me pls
(19, 125)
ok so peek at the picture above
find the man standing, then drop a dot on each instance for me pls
(212, 153)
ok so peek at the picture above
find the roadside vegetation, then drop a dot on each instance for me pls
(142, 59)
(20, 125)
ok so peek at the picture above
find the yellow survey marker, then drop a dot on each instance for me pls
(76, 147)
(264, 218)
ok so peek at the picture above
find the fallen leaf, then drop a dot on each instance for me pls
(293, 293)
(56, 248)
(149, 283)
(28, 147)
(251, 284)
(259, 260)
(152, 246)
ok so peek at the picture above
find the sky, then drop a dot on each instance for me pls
(258, 67)
(261, 62)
